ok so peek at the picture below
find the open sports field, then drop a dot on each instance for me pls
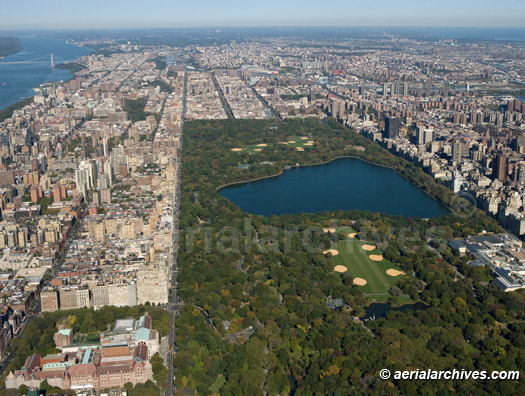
(366, 265)
(299, 142)
(253, 148)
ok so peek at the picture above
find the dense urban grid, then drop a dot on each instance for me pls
(90, 172)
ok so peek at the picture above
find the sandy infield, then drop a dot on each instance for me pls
(340, 268)
(368, 247)
(333, 252)
(257, 149)
(394, 272)
(359, 281)
(237, 149)
(376, 257)
(352, 235)
(300, 149)
(329, 229)
(262, 145)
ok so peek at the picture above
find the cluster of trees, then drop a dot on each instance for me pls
(9, 110)
(160, 62)
(292, 97)
(163, 86)
(276, 286)
(73, 67)
(135, 109)
(9, 45)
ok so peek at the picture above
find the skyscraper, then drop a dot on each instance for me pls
(429, 135)
(499, 167)
(394, 88)
(405, 89)
(105, 147)
(392, 125)
(521, 174)
(420, 135)
(456, 151)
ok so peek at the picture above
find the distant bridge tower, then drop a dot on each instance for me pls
(52, 63)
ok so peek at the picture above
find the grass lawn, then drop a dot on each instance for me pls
(356, 259)
(219, 382)
(252, 148)
(299, 141)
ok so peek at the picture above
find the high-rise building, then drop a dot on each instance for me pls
(108, 170)
(59, 192)
(518, 144)
(392, 125)
(499, 167)
(97, 198)
(457, 151)
(394, 88)
(49, 300)
(420, 135)
(429, 136)
(521, 174)
(82, 180)
(105, 146)
(105, 195)
(405, 89)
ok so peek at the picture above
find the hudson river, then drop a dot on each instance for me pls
(343, 184)
(18, 80)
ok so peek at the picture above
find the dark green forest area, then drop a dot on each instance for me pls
(255, 318)
(9, 45)
(9, 110)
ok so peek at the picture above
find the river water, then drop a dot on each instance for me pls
(18, 80)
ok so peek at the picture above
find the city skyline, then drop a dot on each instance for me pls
(32, 14)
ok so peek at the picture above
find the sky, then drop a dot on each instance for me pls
(98, 14)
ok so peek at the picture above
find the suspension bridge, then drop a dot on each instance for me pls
(51, 59)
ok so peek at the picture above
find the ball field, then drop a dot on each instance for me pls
(300, 143)
(365, 263)
(254, 148)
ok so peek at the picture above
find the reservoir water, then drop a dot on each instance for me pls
(18, 80)
(343, 184)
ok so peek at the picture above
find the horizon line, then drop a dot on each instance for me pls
(259, 26)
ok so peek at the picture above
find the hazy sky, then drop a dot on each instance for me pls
(64, 14)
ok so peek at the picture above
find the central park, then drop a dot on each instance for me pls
(259, 310)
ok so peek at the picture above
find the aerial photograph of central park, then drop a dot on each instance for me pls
(262, 198)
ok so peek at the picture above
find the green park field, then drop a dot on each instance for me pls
(358, 257)
(299, 142)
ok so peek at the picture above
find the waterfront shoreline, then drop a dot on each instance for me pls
(8, 111)
(16, 42)
(20, 74)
